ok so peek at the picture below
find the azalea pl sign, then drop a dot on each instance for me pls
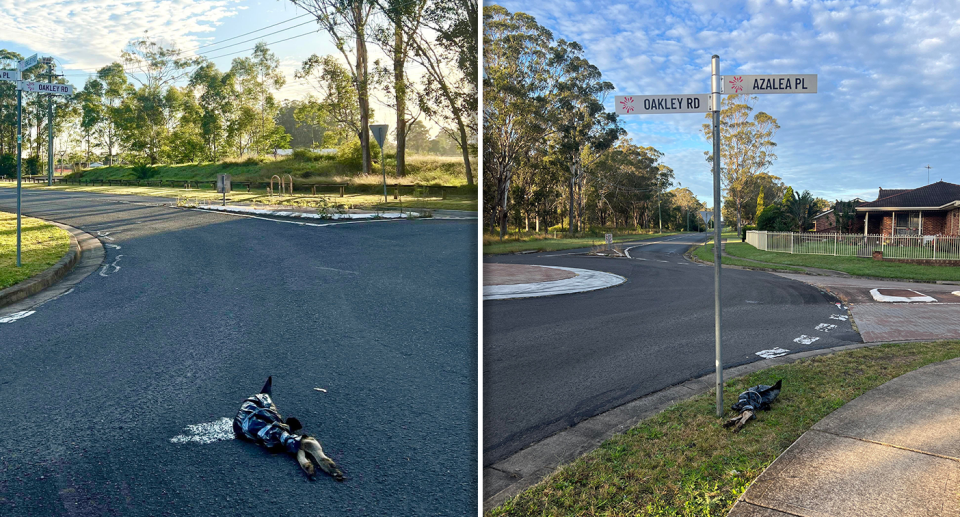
(778, 83)
(678, 103)
(9, 75)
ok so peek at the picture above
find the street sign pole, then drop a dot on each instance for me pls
(19, 152)
(49, 125)
(715, 95)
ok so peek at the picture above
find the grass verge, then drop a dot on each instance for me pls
(852, 265)
(705, 253)
(41, 246)
(681, 462)
(454, 201)
(545, 242)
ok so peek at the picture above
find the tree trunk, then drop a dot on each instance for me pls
(364, 99)
(400, 89)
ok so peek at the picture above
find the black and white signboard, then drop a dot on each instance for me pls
(777, 83)
(35, 87)
(9, 75)
(678, 103)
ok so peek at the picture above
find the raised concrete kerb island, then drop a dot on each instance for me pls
(508, 281)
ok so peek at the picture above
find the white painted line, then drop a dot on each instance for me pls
(103, 272)
(805, 339)
(770, 354)
(752, 301)
(840, 317)
(104, 235)
(664, 261)
(307, 215)
(114, 246)
(825, 327)
(216, 431)
(585, 280)
(10, 318)
(884, 298)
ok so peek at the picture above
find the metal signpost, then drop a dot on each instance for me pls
(710, 103)
(34, 87)
(380, 134)
(223, 186)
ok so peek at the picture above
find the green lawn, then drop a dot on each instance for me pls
(705, 253)
(41, 246)
(546, 242)
(681, 462)
(852, 265)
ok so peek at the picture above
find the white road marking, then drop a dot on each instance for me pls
(338, 270)
(216, 431)
(103, 272)
(805, 339)
(16, 316)
(770, 354)
(825, 327)
(664, 261)
(752, 301)
(104, 235)
(114, 246)
(840, 317)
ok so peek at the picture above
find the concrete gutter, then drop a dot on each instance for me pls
(51, 275)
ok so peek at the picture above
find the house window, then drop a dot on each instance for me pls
(908, 223)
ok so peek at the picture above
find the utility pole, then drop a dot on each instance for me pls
(49, 74)
(715, 96)
(659, 211)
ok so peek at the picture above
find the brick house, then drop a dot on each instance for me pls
(826, 221)
(933, 209)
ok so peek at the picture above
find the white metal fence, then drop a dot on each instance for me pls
(930, 247)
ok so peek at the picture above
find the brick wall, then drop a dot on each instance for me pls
(934, 223)
(887, 226)
(952, 226)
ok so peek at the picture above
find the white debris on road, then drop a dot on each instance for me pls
(840, 317)
(805, 339)
(770, 354)
(825, 327)
(10, 318)
(216, 431)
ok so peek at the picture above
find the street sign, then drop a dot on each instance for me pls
(706, 215)
(27, 63)
(379, 133)
(35, 87)
(9, 75)
(223, 183)
(680, 103)
(778, 83)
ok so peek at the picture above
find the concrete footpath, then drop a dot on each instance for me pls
(893, 451)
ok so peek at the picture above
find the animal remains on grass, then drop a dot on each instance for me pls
(754, 399)
(259, 421)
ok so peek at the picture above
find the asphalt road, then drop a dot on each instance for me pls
(191, 314)
(551, 362)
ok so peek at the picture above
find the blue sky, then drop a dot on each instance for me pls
(888, 73)
(84, 35)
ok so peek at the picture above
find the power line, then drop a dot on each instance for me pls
(248, 40)
(251, 32)
(270, 43)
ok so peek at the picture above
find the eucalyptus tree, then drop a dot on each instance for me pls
(116, 88)
(582, 125)
(338, 107)
(517, 87)
(215, 98)
(346, 23)
(92, 115)
(746, 147)
(268, 77)
(404, 21)
(447, 52)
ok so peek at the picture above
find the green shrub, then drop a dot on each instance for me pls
(8, 165)
(144, 172)
(31, 165)
(351, 155)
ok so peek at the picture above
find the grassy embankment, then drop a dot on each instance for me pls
(518, 242)
(361, 191)
(705, 253)
(41, 246)
(681, 462)
(852, 265)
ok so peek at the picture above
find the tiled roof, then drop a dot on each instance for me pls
(891, 192)
(932, 195)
